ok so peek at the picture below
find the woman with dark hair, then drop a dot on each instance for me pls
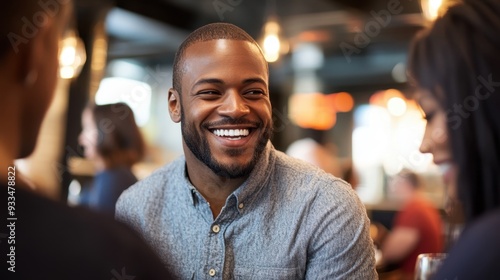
(456, 67)
(113, 142)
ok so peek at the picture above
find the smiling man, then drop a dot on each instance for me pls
(233, 207)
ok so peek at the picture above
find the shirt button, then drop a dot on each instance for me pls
(211, 272)
(216, 228)
(241, 205)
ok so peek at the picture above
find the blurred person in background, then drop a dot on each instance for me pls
(314, 148)
(41, 238)
(417, 227)
(455, 65)
(113, 142)
(309, 150)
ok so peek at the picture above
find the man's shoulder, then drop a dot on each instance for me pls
(308, 179)
(301, 170)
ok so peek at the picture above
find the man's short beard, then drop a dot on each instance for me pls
(201, 150)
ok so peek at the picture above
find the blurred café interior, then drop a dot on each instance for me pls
(337, 75)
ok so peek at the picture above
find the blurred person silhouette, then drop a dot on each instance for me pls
(314, 149)
(233, 207)
(113, 142)
(41, 238)
(417, 227)
(455, 65)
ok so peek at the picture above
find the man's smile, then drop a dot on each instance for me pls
(232, 134)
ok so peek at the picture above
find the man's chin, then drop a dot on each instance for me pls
(232, 171)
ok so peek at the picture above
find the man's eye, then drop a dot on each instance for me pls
(254, 92)
(208, 92)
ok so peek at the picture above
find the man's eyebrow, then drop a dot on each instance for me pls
(254, 80)
(221, 82)
(208, 81)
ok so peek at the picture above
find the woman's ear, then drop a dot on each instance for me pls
(40, 53)
(174, 105)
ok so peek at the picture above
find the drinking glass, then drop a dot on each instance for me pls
(427, 265)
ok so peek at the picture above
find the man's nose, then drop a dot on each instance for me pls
(233, 105)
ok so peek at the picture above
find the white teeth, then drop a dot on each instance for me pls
(231, 132)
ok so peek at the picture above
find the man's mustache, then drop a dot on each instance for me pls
(231, 121)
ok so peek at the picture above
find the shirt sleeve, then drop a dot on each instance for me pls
(341, 247)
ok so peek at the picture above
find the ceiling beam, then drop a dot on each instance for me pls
(161, 11)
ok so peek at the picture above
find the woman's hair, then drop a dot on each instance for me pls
(458, 61)
(119, 142)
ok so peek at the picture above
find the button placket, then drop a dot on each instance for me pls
(215, 228)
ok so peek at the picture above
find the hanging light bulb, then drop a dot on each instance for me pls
(433, 9)
(272, 43)
(430, 8)
(72, 55)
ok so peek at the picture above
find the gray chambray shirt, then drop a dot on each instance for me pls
(289, 220)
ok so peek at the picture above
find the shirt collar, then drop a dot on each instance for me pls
(247, 191)
(264, 167)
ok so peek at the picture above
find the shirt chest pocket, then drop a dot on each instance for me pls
(268, 273)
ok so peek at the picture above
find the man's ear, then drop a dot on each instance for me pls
(174, 105)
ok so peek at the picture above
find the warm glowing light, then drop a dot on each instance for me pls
(372, 130)
(382, 145)
(271, 47)
(381, 98)
(342, 101)
(433, 9)
(316, 36)
(99, 56)
(396, 106)
(135, 93)
(68, 52)
(430, 8)
(272, 44)
(67, 72)
(312, 110)
(71, 57)
(377, 99)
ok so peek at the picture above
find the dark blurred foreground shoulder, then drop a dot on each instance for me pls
(49, 240)
(476, 254)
